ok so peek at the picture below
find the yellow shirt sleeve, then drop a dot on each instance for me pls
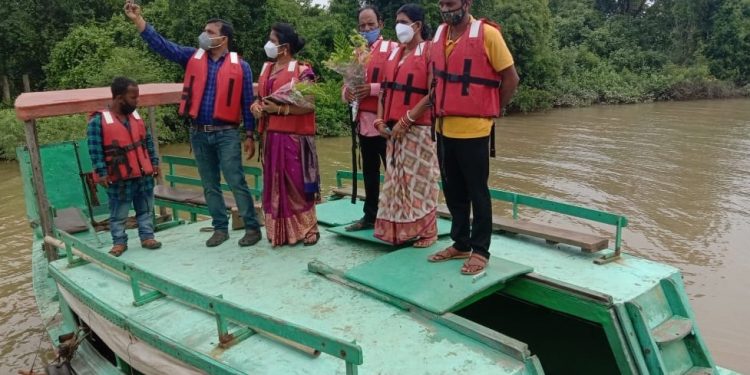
(497, 50)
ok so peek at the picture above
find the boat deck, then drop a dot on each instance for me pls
(277, 282)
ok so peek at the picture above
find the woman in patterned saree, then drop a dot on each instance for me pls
(408, 202)
(291, 181)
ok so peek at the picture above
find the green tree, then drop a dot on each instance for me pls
(729, 46)
(31, 27)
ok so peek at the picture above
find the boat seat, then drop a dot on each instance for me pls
(346, 191)
(187, 196)
(71, 220)
(587, 242)
(175, 194)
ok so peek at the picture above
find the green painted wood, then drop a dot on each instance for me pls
(189, 162)
(631, 343)
(256, 174)
(557, 299)
(151, 337)
(339, 212)
(616, 337)
(565, 301)
(679, 304)
(350, 352)
(493, 339)
(571, 210)
(443, 229)
(342, 175)
(666, 330)
(197, 182)
(676, 357)
(187, 207)
(246, 278)
(651, 353)
(435, 287)
(673, 329)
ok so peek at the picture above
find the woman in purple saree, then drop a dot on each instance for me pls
(291, 181)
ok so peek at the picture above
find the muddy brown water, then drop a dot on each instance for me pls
(679, 171)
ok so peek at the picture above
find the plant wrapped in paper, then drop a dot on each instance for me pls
(349, 58)
(295, 92)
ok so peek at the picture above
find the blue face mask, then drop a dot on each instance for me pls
(371, 36)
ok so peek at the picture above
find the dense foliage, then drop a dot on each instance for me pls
(567, 52)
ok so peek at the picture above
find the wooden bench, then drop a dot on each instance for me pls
(346, 191)
(192, 200)
(587, 242)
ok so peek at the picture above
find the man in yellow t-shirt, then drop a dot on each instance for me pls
(463, 141)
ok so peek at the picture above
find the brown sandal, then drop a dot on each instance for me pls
(425, 242)
(150, 244)
(311, 239)
(448, 254)
(359, 225)
(474, 265)
(117, 250)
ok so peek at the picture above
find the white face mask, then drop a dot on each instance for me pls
(272, 50)
(404, 32)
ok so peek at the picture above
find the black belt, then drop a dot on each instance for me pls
(213, 128)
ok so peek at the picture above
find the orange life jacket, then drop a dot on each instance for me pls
(379, 53)
(228, 100)
(125, 151)
(405, 84)
(467, 84)
(294, 124)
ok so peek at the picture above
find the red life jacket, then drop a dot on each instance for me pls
(406, 84)
(125, 149)
(467, 84)
(379, 53)
(294, 124)
(228, 100)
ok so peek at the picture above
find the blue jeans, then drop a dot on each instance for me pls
(216, 152)
(143, 203)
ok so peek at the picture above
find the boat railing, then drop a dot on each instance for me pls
(517, 200)
(223, 310)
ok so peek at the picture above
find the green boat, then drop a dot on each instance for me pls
(552, 300)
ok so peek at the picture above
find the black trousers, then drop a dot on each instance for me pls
(465, 168)
(372, 150)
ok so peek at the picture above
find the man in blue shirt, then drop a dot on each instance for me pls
(215, 97)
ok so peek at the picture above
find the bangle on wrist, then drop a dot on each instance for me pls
(408, 117)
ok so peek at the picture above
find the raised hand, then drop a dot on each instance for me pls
(133, 12)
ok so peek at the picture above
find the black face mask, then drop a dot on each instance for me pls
(127, 108)
(454, 17)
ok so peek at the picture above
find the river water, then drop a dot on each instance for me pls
(679, 171)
